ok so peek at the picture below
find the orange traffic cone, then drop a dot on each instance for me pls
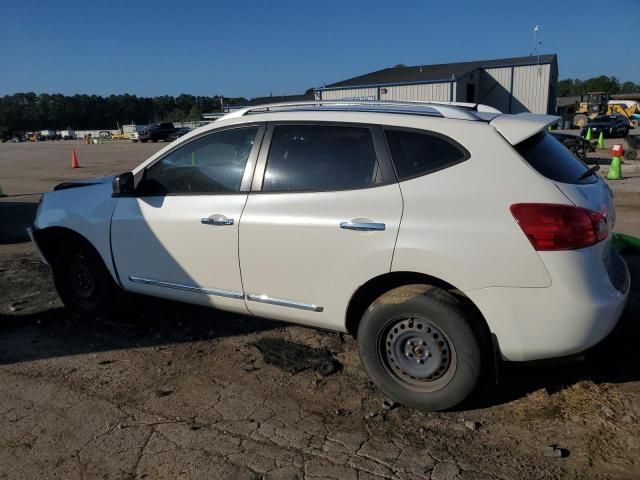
(74, 160)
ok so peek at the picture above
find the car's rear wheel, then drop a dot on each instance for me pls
(82, 280)
(422, 351)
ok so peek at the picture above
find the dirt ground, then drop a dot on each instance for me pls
(174, 391)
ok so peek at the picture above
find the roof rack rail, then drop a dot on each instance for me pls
(456, 110)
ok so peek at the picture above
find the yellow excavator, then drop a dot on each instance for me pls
(599, 103)
(628, 108)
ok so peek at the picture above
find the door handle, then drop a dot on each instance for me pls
(362, 226)
(217, 219)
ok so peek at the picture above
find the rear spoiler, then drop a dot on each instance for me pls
(516, 128)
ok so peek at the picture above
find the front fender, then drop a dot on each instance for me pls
(86, 210)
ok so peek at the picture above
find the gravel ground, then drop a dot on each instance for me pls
(174, 391)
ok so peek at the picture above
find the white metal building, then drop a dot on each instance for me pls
(512, 85)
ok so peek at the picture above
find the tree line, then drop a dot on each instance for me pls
(30, 111)
(574, 87)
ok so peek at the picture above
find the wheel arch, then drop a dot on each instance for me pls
(377, 286)
(48, 240)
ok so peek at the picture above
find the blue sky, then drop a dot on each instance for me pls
(251, 48)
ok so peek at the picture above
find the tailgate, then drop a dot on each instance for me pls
(597, 197)
(551, 159)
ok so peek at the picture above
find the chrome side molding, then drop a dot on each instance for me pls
(220, 292)
(283, 303)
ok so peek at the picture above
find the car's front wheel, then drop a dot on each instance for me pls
(421, 350)
(82, 280)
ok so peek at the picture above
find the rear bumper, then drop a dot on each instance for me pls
(572, 315)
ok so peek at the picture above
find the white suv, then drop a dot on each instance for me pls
(443, 236)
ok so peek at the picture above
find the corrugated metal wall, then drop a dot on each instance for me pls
(427, 91)
(531, 89)
(498, 95)
(440, 92)
(350, 94)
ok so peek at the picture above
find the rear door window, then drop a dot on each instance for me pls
(312, 158)
(419, 153)
(553, 160)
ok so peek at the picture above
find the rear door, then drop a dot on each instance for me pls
(322, 219)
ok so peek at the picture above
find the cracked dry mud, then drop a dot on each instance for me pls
(173, 391)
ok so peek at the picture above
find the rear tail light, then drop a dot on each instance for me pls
(559, 227)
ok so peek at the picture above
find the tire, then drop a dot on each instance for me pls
(580, 120)
(83, 282)
(631, 154)
(421, 351)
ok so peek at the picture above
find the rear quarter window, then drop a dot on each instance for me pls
(553, 160)
(419, 153)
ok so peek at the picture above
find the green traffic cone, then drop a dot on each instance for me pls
(622, 242)
(615, 170)
(601, 141)
(588, 137)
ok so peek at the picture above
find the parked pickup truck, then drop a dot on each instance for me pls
(156, 131)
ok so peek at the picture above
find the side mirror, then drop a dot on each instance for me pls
(123, 185)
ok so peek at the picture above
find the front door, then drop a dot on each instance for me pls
(322, 222)
(178, 238)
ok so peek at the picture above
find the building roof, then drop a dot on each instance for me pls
(625, 96)
(431, 73)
